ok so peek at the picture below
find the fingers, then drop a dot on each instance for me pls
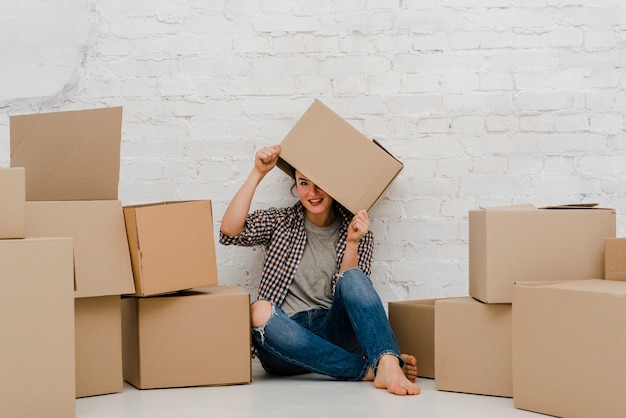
(269, 154)
(361, 220)
(266, 158)
(359, 225)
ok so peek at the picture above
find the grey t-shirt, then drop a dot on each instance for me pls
(311, 286)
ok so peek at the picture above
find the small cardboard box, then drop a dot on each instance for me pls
(569, 342)
(413, 323)
(523, 243)
(338, 158)
(193, 338)
(13, 192)
(615, 259)
(37, 328)
(172, 246)
(101, 256)
(98, 345)
(473, 347)
(72, 155)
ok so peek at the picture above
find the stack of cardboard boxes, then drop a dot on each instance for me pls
(36, 313)
(66, 302)
(71, 162)
(536, 316)
(180, 328)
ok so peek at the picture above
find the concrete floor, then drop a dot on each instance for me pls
(301, 397)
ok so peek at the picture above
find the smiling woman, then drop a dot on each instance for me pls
(317, 310)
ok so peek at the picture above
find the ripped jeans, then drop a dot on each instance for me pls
(342, 342)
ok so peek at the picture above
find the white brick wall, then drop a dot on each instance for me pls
(487, 102)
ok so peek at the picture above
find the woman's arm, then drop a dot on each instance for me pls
(359, 226)
(234, 218)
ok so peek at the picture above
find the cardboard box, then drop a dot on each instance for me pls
(101, 256)
(568, 348)
(37, 328)
(413, 323)
(172, 246)
(473, 347)
(98, 325)
(335, 156)
(12, 190)
(71, 155)
(523, 243)
(615, 259)
(193, 338)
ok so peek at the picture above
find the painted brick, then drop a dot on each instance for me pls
(486, 102)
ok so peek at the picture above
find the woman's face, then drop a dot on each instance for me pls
(315, 200)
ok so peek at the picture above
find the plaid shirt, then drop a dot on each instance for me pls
(281, 232)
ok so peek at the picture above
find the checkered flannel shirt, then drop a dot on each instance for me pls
(281, 232)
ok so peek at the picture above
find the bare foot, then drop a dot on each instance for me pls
(397, 380)
(410, 367)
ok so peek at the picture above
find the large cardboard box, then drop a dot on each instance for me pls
(101, 255)
(523, 243)
(102, 268)
(172, 246)
(13, 192)
(192, 338)
(72, 155)
(37, 328)
(98, 325)
(615, 259)
(338, 158)
(569, 340)
(413, 323)
(473, 347)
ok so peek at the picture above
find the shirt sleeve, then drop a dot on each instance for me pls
(366, 252)
(258, 228)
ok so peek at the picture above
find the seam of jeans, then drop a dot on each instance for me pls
(393, 353)
(364, 372)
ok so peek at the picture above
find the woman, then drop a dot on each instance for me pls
(317, 310)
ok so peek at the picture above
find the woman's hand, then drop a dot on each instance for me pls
(359, 226)
(266, 158)
(234, 218)
(357, 229)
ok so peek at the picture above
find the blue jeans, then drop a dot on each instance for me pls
(342, 342)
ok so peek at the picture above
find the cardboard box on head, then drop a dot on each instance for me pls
(339, 159)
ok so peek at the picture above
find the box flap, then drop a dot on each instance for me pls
(572, 206)
(577, 206)
(335, 156)
(101, 256)
(72, 155)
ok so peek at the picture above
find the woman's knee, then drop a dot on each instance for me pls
(353, 277)
(260, 312)
(355, 285)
